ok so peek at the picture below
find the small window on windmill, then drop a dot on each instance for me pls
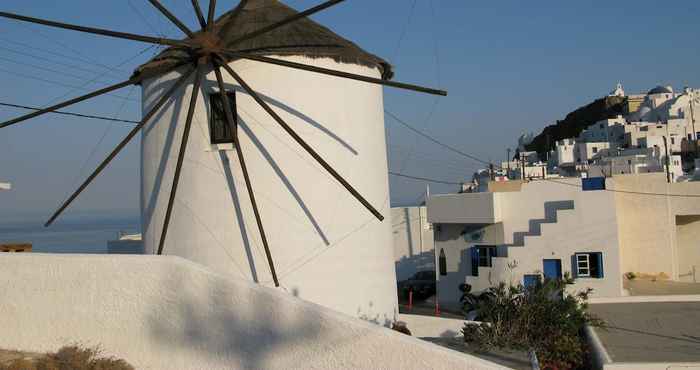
(219, 130)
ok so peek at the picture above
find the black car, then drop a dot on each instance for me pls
(422, 283)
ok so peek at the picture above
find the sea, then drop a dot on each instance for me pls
(87, 235)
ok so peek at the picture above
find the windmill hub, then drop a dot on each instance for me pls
(206, 43)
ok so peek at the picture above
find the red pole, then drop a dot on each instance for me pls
(437, 307)
(410, 299)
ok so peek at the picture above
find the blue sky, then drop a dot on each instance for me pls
(509, 66)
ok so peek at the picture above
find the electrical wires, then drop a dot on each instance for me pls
(69, 113)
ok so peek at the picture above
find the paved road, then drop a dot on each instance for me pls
(426, 307)
(650, 332)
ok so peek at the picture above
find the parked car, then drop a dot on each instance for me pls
(422, 283)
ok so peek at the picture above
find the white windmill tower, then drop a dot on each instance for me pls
(282, 179)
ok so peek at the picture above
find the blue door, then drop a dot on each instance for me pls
(552, 269)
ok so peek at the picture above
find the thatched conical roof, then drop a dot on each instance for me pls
(303, 37)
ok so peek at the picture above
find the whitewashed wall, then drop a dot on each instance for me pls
(590, 227)
(160, 312)
(647, 227)
(326, 246)
(413, 241)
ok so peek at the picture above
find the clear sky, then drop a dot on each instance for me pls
(509, 66)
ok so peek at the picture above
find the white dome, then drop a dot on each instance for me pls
(661, 90)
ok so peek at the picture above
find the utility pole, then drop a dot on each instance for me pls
(691, 94)
(508, 162)
(668, 173)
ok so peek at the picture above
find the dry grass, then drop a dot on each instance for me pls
(72, 357)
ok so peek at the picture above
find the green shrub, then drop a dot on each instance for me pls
(70, 358)
(540, 318)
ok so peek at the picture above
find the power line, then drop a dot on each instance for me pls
(421, 133)
(74, 56)
(66, 56)
(70, 113)
(105, 73)
(631, 191)
(17, 74)
(44, 59)
(144, 20)
(447, 163)
(403, 31)
(424, 179)
(25, 64)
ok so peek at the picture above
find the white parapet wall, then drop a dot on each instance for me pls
(161, 312)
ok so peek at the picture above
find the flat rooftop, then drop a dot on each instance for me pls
(650, 332)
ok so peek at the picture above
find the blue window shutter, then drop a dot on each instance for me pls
(600, 264)
(574, 267)
(475, 261)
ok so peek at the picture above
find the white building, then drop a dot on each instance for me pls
(5, 186)
(619, 91)
(607, 130)
(327, 248)
(662, 121)
(549, 228)
(413, 241)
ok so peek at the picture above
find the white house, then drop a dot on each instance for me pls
(607, 130)
(5, 186)
(414, 243)
(549, 228)
(327, 248)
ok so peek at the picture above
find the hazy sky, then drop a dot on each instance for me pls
(509, 67)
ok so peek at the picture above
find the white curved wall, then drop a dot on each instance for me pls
(168, 313)
(326, 246)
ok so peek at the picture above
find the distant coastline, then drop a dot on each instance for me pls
(76, 235)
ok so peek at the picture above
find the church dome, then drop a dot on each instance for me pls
(660, 90)
(303, 37)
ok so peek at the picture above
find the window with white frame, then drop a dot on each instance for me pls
(583, 265)
(588, 265)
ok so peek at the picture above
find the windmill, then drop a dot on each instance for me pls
(225, 44)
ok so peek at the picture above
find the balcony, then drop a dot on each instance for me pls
(467, 208)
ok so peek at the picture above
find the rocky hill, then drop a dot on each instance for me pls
(576, 121)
